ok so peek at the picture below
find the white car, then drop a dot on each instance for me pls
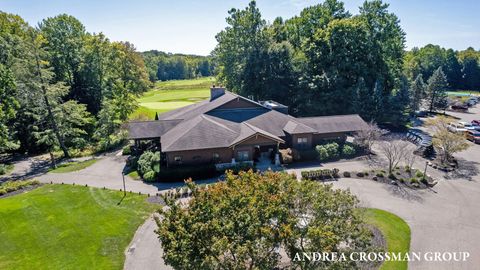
(467, 125)
(457, 128)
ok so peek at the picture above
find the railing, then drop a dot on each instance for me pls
(225, 166)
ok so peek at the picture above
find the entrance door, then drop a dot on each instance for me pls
(242, 155)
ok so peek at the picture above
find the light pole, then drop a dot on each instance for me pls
(425, 171)
(124, 189)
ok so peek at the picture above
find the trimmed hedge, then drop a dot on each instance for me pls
(11, 186)
(320, 174)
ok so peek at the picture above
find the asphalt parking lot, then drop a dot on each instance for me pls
(444, 219)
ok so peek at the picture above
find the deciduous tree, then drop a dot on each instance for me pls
(243, 222)
(446, 142)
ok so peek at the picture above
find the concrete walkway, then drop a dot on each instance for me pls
(145, 251)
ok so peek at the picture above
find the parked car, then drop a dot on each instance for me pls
(460, 108)
(456, 128)
(476, 122)
(466, 125)
(473, 135)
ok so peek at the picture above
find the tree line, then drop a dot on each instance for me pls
(461, 68)
(62, 88)
(166, 66)
(327, 61)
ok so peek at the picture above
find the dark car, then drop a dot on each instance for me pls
(476, 122)
(460, 108)
(473, 135)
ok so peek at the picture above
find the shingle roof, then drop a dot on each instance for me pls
(150, 129)
(204, 125)
(295, 127)
(335, 123)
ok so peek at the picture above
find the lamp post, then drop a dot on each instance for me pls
(124, 189)
(425, 170)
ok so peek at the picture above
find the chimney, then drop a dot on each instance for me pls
(216, 92)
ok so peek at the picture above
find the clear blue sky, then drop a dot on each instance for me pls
(189, 26)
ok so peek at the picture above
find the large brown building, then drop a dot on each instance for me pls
(229, 128)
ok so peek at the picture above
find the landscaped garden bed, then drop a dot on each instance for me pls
(404, 176)
(322, 174)
(8, 187)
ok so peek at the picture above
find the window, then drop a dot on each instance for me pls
(178, 159)
(302, 142)
(242, 155)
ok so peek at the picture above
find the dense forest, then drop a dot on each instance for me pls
(166, 66)
(62, 88)
(327, 61)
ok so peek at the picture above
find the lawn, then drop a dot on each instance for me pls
(396, 232)
(73, 166)
(68, 227)
(170, 95)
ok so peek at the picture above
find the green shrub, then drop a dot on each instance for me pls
(10, 186)
(408, 169)
(360, 174)
(147, 161)
(401, 180)
(322, 152)
(380, 175)
(127, 150)
(392, 176)
(424, 181)
(348, 150)
(327, 151)
(365, 173)
(332, 149)
(346, 174)
(419, 174)
(398, 173)
(149, 176)
(5, 168)
(413, 180)
(320, 174)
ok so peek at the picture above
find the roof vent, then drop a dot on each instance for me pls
(216, 92)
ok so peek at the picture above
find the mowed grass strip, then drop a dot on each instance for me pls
(170, 95)
(68, 227)
(396, 232)
(73, 166)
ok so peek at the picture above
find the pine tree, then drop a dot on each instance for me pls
(417, 93)
(156, 116)
(378, 101)
(436, 90)
(400, 103)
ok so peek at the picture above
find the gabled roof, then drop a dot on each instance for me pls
(209, 124)
(335, 123)
(295, 127)
(198, 133)
(150, 129)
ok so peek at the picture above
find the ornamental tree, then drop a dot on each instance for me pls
(445, 141)
(246, 221)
